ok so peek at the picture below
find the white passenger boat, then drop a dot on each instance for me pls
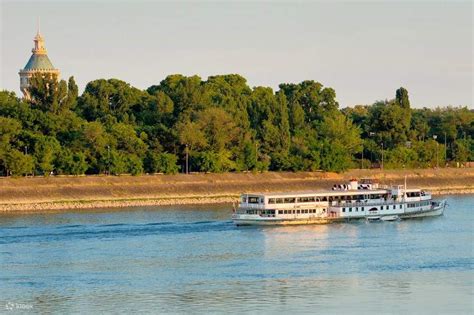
(354, 201)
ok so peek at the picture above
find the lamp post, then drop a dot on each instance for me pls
(382, 156)
(26, 149)
(187, 160)
(256, 155)
(437, 161)
(371, 134)
(108, 160)
(445, 150)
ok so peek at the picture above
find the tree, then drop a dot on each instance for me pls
(50, 94)
(401, 98)
(45, 151)
(461, 151)
(334, 157)
(18, 163)
(114, 98)
(162, 163)
(315, 100)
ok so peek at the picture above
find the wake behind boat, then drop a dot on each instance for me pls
(365, 200)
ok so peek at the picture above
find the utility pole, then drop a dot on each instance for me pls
(187, 160)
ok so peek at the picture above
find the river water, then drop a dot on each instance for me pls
(193, 260)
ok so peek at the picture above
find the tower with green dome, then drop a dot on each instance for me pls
(38, 63)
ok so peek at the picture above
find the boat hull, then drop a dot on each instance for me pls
(434, 211)
(267, 222)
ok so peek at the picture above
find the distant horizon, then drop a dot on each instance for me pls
(369, 50)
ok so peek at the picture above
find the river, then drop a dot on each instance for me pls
(192, 259)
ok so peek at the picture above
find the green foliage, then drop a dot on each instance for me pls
(135, 164)
(18, 163)
(462, 151)
(223, 125)
(45, 151)
(334, 157)
(162, 163)
(73, 163)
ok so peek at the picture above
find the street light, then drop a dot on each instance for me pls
(437, 161)
(382, 156)
(108, 160)
(256, 155)
(187, 160)
(371, 134)
(445, 150)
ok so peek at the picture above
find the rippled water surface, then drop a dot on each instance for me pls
(193, 259)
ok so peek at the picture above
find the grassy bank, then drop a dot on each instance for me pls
(58, 193)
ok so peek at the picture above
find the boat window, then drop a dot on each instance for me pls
(363, 209)
(400, 206)
(253, 199)
(280, 211)
(244, 200)
(343, 209)
(271, 200)
(279, 200)
(350, 209)
(306, 199)
(325, 198)
(290, 200)
(297, 211)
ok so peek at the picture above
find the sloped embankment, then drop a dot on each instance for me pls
(58, 193)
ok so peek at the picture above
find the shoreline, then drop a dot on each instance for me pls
(46, 194)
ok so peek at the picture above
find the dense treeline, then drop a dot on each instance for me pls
(219, 125)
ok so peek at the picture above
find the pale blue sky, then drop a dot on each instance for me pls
(364, 50)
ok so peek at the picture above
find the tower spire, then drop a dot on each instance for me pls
(39, 26)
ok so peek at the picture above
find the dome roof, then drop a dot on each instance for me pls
(39, 62)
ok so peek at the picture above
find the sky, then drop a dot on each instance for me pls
(365, 50)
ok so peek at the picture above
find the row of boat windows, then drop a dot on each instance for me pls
(324, 198)
(356, 209)
(418, 204)
(299, 211)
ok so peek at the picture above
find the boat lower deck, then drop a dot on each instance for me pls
(257, 220)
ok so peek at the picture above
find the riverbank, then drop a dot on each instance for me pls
(37, 194)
